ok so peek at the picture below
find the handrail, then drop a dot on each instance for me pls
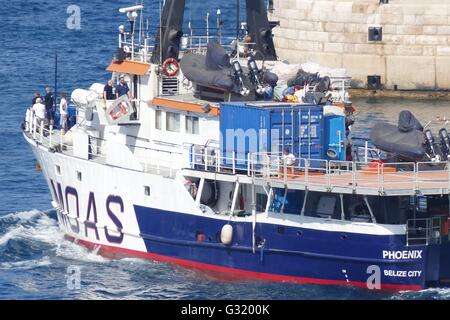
(423, 231)
(53, 140)
(404, 178)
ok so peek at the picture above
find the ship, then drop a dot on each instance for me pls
(199, 167)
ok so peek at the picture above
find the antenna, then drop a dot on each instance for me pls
(132, 17)
(219, 25)
(238, 18)
(141, 24)
(160, 31)
(207, 26)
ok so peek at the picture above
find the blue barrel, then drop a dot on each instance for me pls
(72, 112)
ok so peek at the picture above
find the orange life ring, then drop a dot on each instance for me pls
(173, 71)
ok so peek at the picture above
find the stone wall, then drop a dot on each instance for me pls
(414, 52)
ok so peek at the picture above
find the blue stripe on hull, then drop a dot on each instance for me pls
(311, 253)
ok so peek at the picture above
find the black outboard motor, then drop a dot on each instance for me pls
(430, 147)
(445, 143)
(239, 79)
(255, 76)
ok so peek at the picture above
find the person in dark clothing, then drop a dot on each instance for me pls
(122, 88)
(108, 91)
(49, 102)
(36, 96)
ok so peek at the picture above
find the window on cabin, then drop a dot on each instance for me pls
(158, 119)
(173, 122)
(192, 125)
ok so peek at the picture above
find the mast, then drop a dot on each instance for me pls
(238, 18)
(56, 79)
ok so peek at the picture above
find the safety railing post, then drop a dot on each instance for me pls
(233, 159)
(354, 168)
(248, 164)
(30, 121)
(379, 176)
(366, 152)
(61, 140)
(416, 177)
(50, 138)
(35, 128)
(206, 159)
(218, 161)
(448, 178)
(41, 132)
(327, 172)
(306, 171)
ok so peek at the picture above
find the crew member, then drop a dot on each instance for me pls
(39, 111)
(49, 101)
(64, 114)
(288, 160)
(122, 88)
(108, 91)
(36, 95)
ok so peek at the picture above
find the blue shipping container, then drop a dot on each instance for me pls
(335, 137)
(247, 128)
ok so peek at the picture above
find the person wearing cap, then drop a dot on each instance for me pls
(122, 88)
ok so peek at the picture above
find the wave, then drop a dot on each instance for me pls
(426, 294)
(21, 216)
(12, 233)
(26, 264)
(41, 228)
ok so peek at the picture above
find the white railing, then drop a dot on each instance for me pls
(423, 231)
(189, 43)
(404, 178)
(149, 158)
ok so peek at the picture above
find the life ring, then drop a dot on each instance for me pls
(170, 67)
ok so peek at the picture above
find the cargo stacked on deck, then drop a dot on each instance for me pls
(263, 127)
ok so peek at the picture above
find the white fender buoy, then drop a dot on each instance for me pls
(226, 236)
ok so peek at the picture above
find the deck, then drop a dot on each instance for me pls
(387, 179)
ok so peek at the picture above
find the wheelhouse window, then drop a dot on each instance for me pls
(173, 122)
(192, 125)
(158, 119)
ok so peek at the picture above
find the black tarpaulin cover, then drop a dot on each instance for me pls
(407, 122)
(194, 69)
(216, 57)
(389, 138)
